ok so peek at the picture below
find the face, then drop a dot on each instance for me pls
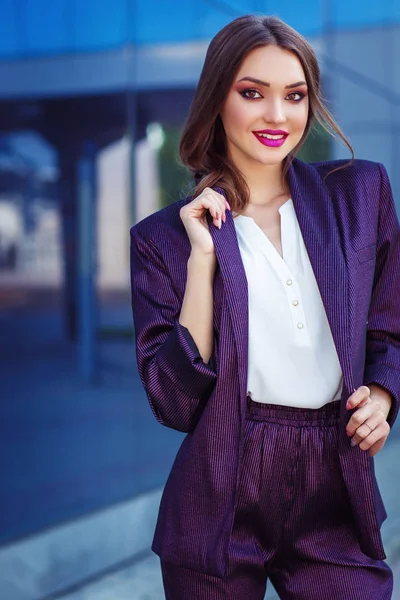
(266, 110)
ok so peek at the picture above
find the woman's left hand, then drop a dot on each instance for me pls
(368, 425)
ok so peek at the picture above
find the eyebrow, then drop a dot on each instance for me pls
(266, 84)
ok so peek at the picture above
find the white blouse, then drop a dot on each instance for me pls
(292, 355)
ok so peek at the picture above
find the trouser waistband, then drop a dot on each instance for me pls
(295, 416)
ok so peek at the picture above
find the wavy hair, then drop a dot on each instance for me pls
(203, 148)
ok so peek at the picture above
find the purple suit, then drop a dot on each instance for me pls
(352, 236)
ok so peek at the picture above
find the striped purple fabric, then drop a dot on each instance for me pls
(352, 236)
(293, 523)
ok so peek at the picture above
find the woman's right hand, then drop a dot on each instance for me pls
(193, 216)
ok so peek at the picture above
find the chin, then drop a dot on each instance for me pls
(273, 159)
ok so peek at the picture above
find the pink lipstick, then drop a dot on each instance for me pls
(271, 137)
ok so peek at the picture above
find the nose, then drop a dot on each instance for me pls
(274, 112)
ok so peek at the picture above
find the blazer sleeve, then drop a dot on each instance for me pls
(172, 371)
(383, 333)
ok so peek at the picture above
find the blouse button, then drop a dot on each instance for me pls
(289, 282)
(295, 302)
(300, 325)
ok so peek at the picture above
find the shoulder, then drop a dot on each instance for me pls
(163, 222)
(358, 174)
(356, 168)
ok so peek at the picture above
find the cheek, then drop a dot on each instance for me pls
(236, 116)
(302, 116)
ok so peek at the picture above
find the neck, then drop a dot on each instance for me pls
(264, 182)
(266, 185)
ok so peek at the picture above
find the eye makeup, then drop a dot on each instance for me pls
(254, 94)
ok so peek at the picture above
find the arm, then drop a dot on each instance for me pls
(172, 371)
(198, 303)
(382, 366)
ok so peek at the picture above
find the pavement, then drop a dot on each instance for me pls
(35, 348)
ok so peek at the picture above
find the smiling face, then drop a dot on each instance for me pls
(265, 112)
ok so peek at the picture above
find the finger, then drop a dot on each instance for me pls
(359, 397)
(227, 207)
(359, 417)
(215, 194)
(369, 425)
(219, 198)
(222, 204)
(379, 433)
(209, 203)
(373, 437)
(362, 414)
(219, 202)
(214, 203)
(376, 447)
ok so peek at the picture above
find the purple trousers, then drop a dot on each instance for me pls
(293, 522)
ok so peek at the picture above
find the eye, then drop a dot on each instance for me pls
(299, 95)
(250, 94)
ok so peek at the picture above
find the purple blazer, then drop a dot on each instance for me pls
(352, 236)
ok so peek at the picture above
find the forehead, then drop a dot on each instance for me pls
(272, 64)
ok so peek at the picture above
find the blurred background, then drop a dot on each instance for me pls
(93, 95)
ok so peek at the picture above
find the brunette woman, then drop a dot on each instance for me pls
(268, 329)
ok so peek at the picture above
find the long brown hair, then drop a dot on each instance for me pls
(203, 142)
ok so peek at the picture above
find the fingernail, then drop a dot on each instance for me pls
(354, 390)
(353, 443)
(348, 433)
(228, 204)
(219, 224)
(348, 405)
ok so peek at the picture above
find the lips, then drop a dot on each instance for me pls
(271, 137)
(272, 131)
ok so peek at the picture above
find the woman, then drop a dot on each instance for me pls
(267, 329)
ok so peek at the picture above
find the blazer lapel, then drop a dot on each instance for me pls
(315, 211)
(235, 287)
